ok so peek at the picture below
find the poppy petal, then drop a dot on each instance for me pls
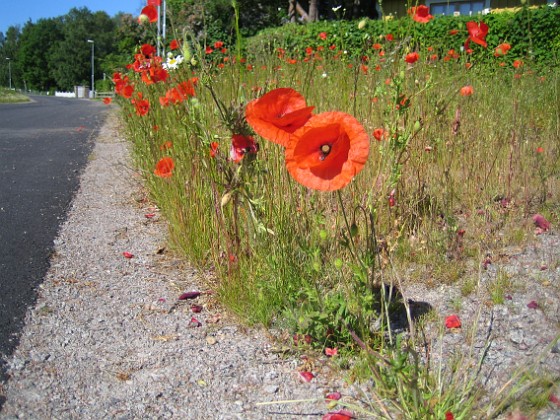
(277, 114)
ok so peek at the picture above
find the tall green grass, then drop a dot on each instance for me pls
(466, 174)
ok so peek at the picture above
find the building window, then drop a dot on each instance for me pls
(457, 8)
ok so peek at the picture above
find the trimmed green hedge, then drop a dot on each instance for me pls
(534, 34)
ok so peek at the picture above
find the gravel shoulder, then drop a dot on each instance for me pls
(108, 338)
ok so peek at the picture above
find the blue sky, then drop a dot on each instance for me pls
(17, 12)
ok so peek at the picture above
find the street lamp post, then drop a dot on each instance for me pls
(92, 42)
(10, 71)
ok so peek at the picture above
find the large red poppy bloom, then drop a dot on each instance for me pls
(148, 13)
(477, 33)
(164, 168)
(328, 151)
(277, 114)
(142, 105)
(420, 14)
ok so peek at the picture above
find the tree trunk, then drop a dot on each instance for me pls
(313, 10)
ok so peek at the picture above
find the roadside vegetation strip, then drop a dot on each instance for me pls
(318, 186)
(11, 96)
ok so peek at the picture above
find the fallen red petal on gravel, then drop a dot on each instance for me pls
(196, 308)
(339, 415)
(533, 304)
(331, 352)
(195, 322)
(541, 222)
(554, 400)
(189, 295)
(307, 376)
(127, 255)
(149, 215)
(452, 321)
(335, 396)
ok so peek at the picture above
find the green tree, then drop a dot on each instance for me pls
(9, 44)
(38, 41)
(71, 58)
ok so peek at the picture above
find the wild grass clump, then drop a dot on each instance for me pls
(11, 96)
(461, 154)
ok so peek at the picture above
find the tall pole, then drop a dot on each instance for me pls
(92, 42)
(10, 71)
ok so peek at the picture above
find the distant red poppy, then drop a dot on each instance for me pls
(328, 151)
(449, 416)
(452, 321)
(218, 45)
(323, 35)
(389, 37)
(213, 149)
(453, 32)
(166, 146)
(377, 46)
(174, 44)
(539, 149)
(420, 13)
(107, 101)
(517, 63)
(277, 114)
(379, 134)
(477, 33)
(466, 90)
(208, 50)
(412, 58)
(148, 14)
(241, 145)
(164, 168)
(502, 49)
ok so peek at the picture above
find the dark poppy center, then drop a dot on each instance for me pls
(325, 150)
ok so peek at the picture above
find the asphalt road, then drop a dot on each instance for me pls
(44, 145)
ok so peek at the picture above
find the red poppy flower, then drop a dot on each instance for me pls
(389, 37)
(502, 49)
(208, 50)
(323, 35)
(142, 105)
(166, 146)
(148, 14)
(452, 321)
(213, 149)
(539, 149)
(277, 114)
(107, 101)
(377, 46)
(453, 32)
(477, 33)
(328, 151)
(174, 44)
(218, 44)
(164, 168)
(147, 50)
(379, 134)
(412, 57)
(517, 63)
(240, 145)
(449, 416)
(466, 90)
(420, 13)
